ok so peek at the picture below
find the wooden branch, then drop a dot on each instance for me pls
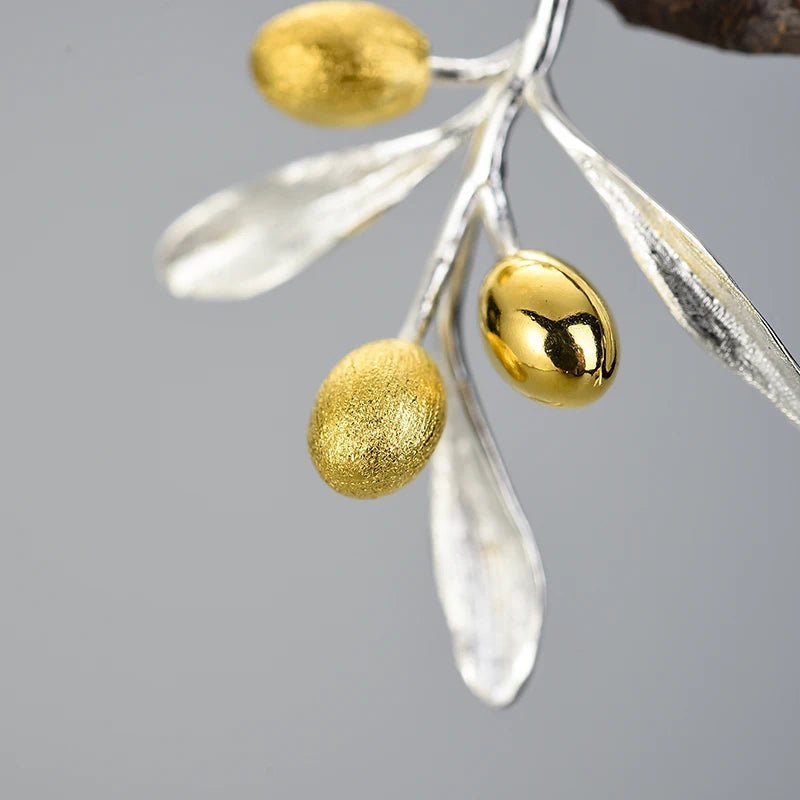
(752, 26)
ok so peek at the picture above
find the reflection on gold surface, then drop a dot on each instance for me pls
(377, 419)
(506, 357)
(341, 63)
(547, 330)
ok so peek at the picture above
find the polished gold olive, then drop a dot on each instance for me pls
(341, 64)
(547, 330)
(377, 419)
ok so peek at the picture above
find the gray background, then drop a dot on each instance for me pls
(187, 612)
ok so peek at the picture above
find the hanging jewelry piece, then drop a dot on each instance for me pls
(380, 414)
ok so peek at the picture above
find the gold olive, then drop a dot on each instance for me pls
(547, 330)
(377, 418)
(341, 64)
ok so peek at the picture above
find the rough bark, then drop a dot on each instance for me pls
(752, 26)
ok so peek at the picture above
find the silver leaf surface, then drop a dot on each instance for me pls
(488, 571)
(701, 295)
(248, 239)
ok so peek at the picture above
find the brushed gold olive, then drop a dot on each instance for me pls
(341, 64)
(547, 330)
(377, 418)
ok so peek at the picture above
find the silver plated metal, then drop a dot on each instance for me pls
(696, 289)
(478, 71)
(246, 240)
(488, 570)
(534, 55)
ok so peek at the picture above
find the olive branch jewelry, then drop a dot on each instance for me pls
(380, 414)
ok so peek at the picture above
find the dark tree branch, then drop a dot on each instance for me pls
(752, 26)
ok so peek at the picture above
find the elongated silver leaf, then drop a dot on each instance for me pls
(701, 295)
(249, 239)
(488, 570)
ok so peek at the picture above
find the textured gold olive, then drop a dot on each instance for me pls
(341, 64)
(547, 330)
(377, 419)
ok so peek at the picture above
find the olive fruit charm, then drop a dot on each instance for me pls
(341, 64)
(377, 418)
(547, 330)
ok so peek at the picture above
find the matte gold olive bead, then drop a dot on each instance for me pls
(377, 419)
(547, 330)
(341, 64)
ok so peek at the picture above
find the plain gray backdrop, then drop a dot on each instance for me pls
(186, 611)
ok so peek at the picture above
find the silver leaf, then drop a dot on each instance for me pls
(488, 570)
(701, 295)
(248, 239)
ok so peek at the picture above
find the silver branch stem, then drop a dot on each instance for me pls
(476, 71)
(483, 181)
